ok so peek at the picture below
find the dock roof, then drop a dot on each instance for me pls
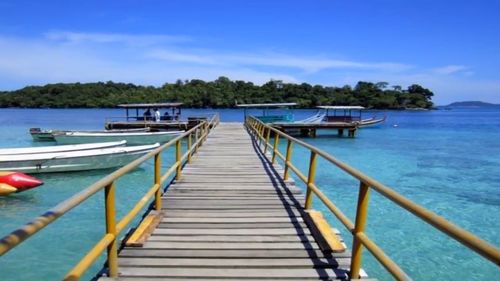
(151, 105)
(285, 104)
(348, 107)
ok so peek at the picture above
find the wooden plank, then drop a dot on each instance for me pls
(226, 253)
(144, 230)
(224, 245)
(218, 220)
(224, 214)
(122, 278)
(235, 262)
(296, 273)
(254, 225)
(240, 231)
(231, 238)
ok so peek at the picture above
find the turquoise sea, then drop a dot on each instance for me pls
(447, 161)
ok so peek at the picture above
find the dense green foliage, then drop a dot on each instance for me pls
(221, 93)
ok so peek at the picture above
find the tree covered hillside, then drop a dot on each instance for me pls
(221, 93)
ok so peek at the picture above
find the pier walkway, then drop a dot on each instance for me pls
(231, 217)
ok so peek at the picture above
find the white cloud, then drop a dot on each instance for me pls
(450, 69)
(309, 65)
(96, 37)
(85, 57)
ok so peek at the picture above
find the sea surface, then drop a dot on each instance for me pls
(446, 160)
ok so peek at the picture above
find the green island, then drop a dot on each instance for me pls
(220, 93)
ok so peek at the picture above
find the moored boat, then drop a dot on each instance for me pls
(348, 115)
(48, 135)
(91, 159)
(132, 138)
(59, 148)
(42, 135)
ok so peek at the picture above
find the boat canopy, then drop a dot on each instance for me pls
(271, 112)
(267, 105)
(150, 105)
(341, 107)
(147, 116)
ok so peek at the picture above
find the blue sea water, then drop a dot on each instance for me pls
(447, 161)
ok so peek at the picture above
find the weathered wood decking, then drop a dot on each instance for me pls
(231, 217)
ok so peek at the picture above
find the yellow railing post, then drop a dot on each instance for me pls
(288, 157)
(275, 147)
(260, 133)
(196, 137)
(359, 227)
(190, 144)
(178, 159)
(201, 136)
(268, 135)
(310, 179)
(158, 181)
(110, 207)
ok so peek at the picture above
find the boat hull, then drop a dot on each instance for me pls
(74, 161)
(132, 138)
(370, 122)
(59, 148)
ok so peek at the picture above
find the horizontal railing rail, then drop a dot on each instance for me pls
(195, 138)
(262, 133)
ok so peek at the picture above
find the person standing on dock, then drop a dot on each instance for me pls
(157, 115)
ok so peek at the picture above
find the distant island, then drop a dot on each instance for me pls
(472, 104)
(220, 93)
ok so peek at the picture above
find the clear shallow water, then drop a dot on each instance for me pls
(447, 161)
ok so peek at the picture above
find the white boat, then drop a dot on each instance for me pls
(346, 115)
(132, 138)
(91, 159)
(59, 148)
(371, 122)
(48, 135)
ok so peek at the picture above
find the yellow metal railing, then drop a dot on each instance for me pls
(113, 229)
(262, 133)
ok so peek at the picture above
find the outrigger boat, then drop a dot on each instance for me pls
(59, 148)
(346, 114)
(80, 160)
(132, 138)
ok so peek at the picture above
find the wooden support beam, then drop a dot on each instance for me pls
(144, 230)
(327, 240)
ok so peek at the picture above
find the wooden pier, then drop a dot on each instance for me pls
(231, 216)
(232, 213)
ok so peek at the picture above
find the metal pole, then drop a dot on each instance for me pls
(190, 144)
(359, 227)
(268, 135)
(288, 158)
(178, 159)
(109, 197)
(158, 181)
(275, 147)
(310, 179)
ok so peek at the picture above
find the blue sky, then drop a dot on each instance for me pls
(451, 47)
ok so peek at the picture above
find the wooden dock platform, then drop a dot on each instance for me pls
(309, 129)
(232, 217)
